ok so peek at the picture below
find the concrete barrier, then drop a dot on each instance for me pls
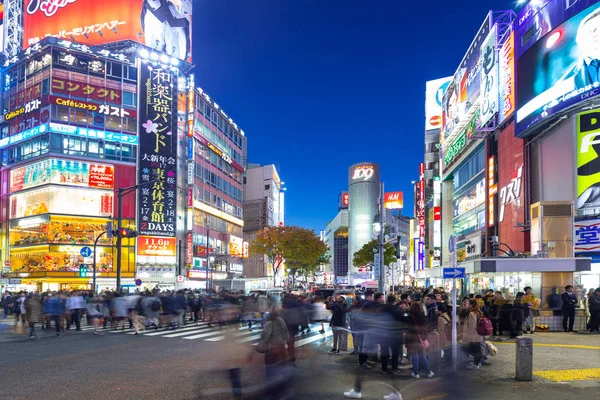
(524, 359)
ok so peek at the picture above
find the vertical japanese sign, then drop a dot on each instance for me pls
(507, 78)
(489, 78)
(492, 190)
(421, 203)
(157, 150)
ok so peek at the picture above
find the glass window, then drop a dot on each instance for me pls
(113, 122)
(115, 70)
(46, 86)
(129, 98)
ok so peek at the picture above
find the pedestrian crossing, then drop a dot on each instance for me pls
(202, 331)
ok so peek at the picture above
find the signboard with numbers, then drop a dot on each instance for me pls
(156, 246)
(157, 150)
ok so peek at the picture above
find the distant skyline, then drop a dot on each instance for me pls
(319, 85)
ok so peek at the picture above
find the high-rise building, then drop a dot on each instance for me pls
(264, 206)
(363, 194)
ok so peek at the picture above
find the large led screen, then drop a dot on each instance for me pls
(558, 62)
(164, 25)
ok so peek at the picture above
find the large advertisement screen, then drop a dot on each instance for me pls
(464, 91)
(157, 150)
(434, 93)
(62, 172)
(164, 25)
(588, 160)
(558, 54)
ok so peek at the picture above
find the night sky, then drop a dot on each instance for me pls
(318, 85)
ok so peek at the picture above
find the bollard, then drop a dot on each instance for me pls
(524, 361)
(433, 352)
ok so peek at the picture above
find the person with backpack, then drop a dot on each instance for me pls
(471, 336)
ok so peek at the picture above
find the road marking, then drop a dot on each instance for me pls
(314, 338)
(565, 375)
(215, 339)
(162, 331)
(566, 346)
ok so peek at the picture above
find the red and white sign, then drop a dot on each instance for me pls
(345, 199)
(437, 213)
(101, 176)
(492, 190)
(189, 249)
(156, 246)
(393, 200)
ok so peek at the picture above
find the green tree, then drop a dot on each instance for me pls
(298, 248)
(365, 255)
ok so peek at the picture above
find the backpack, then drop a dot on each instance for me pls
(484, 327)
(155, 306)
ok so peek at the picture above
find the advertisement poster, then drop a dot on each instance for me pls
(472, 199)
(156, 246)
(489, 78)
(157, 151)
(507, 78)
(587, 235)
(236, 246)
(62, 172)
(560, 69)
(393, 200)
(165, 26)
(588, 160)
(434, 94)
(464, 91)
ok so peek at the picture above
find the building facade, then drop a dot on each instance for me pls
(363, 195)
(264, 205)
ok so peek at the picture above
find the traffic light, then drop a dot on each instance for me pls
(83, 271)
(127, 233)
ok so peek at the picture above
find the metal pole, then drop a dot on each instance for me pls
(94, 270)
(454, 307)
(119, 241)
(207, 255)
(381, 241)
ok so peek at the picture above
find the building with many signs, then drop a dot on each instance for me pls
(106, 107)
(519, 175)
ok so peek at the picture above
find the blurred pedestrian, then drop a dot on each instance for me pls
(594, 306)
(338, 321)
(94, 312)
(33, 313)
(416, 339)
(470, 337)
(273, 344)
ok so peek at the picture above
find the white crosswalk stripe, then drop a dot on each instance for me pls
(202, 331)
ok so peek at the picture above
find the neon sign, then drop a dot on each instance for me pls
(364, 172)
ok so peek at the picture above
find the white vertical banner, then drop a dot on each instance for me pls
(489, 77)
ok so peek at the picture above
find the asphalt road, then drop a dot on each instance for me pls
(123, 366)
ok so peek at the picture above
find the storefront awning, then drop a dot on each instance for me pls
(533, 265)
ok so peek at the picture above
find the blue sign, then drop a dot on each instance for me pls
(457, 273)
(138, 282)
(85, 252)
(93, 133)
(190, 149)
(19, 137)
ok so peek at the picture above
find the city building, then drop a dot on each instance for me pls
(336, 239)
(216, 164)
(363, 198)
(264, 206)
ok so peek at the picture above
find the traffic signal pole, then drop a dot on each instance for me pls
(95, 257)
(122, 192)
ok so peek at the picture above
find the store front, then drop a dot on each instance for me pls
(546, 276)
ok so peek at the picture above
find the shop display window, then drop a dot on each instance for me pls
(56, 230)
(508, 283)
(62, 200)
(58, 258)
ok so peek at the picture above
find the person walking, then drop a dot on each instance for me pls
(416, 339)
(6, 303)
(338, 321)
(33, 313)
(273, 342)
(94, 311)
(569, 302)
(75, 305)
(520, 312)
(470, 336)
(594, 306)
(56, 307)
(530, 300)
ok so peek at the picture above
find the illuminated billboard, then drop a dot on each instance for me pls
(393, 200)
(557, 53)
(434, 93)
(588, 160)
(463, 93)
(164, 25)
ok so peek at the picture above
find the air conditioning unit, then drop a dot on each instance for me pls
(552, 229)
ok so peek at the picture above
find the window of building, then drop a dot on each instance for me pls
(129, 98)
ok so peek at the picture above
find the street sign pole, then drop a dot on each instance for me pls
(454, 306)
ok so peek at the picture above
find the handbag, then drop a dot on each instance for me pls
(424, 343)
(492, 350)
